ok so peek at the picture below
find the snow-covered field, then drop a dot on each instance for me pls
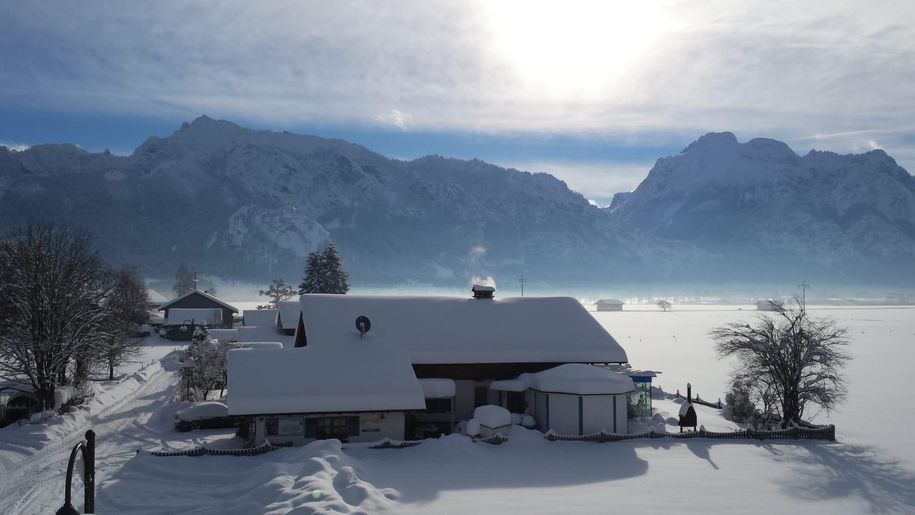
(871, 469)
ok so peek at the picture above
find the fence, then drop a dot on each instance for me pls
(387, 443)
(697, 400)
(204, 451)
(794, 433)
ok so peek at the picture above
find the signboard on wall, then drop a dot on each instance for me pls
(372, 424)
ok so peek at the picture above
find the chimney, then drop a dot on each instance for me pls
(482, 292)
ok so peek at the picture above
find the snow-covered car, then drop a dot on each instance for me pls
(202, 415)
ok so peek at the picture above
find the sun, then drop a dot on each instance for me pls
(573, 46)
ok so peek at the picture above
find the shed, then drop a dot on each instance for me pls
(201, 300)
(609, 305)
(576, 399)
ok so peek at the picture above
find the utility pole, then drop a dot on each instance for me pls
(521, 280)
(803, 286)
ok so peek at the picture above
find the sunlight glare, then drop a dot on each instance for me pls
(574, 46)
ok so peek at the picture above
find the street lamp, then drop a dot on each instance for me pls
(87, 450)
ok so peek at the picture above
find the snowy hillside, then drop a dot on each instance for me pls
(851, 216)
(248, 204)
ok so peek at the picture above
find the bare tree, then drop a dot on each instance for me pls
(53, 288)
(184, 281)
(277, 292)
(205, 363)
(665, 305)
(798, 357)
(127, 310)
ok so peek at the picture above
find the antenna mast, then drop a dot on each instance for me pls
(803, 286)
(521, 280)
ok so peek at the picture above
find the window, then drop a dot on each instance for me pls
(438, 405)
(640, 399)
(480, 395)
(272, 426)
(340, 428)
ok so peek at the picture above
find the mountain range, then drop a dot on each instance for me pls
(245, 204)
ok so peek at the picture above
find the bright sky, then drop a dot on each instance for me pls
(591, 91)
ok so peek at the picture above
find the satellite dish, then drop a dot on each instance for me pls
(363, 324)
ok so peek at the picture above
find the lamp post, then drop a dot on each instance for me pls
(87, 450)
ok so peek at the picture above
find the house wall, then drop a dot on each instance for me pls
(597, 413)
(372, 427)
(622, 415)
(541, 410)
(562, 413)
(463, 399)
(199, 301)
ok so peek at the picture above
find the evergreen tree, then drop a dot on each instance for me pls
(324, 273)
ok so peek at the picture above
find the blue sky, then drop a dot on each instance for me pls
(593, 92)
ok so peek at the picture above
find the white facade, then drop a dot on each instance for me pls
(300, 429)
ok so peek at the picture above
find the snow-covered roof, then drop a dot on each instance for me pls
(511, 385)
(155, 297)
(260, 345)
(259, 317)
(576, 378)
(203, 293)
(573, 378)
(465, 330)
(346, 377)
(258, 334)
(288, 313)
(435, 388)
(492, 416)
(181, 316)
(223, 335)
(614, 302)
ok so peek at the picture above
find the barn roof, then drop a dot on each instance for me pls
(615, 302)
(346, 377)
(200, 293)
(446, 330)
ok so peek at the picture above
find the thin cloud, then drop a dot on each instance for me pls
(760, 68)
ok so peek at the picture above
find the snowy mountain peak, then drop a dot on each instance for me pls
(712, 141)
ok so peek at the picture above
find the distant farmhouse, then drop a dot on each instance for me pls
(609, 305)
(194, 309)
(368, 367)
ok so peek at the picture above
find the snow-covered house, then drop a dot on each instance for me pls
(180, 323)
(609, 305)
(455, 350)
(195, 299)
(350, 390)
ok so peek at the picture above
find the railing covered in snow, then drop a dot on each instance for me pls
(794, 433)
